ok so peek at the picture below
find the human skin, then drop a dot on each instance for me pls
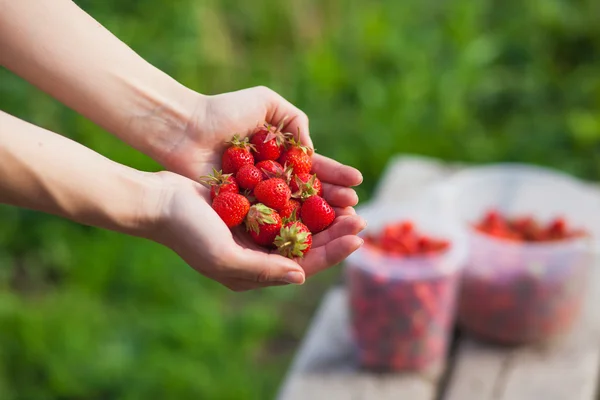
(59, 48)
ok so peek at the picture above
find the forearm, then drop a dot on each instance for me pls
(44, 171)
(59, 48)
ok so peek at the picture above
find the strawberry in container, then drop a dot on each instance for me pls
(402, 289)
(526, 278)
(529, 232)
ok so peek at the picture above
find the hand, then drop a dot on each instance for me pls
(196, 233)
(214, 120)
(199, 147)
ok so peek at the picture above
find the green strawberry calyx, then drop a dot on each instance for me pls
(237, 141)
(291, 242)
(217, 178)
(305, 189)
(293, 142)
(258, 215)
(284, 173)
(275, 132)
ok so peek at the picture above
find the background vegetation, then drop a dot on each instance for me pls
(89, 314)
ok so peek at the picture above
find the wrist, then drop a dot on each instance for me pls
(162, 116)
(144, 214)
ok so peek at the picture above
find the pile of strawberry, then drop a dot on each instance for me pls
(402, 239)
(525, 228)
(266, 183)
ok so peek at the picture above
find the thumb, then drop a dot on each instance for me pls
(262, 267)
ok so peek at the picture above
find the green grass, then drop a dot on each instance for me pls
(88, 314)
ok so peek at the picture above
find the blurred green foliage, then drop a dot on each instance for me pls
(88, 314)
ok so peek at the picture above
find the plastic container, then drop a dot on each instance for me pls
(402, 309)
(519, 292)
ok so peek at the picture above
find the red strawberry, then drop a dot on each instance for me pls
(274, 193)
(316, 213)
(424, 243)
(220, 183)
(268, 168)
(298, 157)
(289, 209)
(272, 169)
(268, 141)
(248, 176)
(305, 185)
(527, 228)
(402, 239)
(294, 240)
(237, 155)
(231, 207)
(263, 223)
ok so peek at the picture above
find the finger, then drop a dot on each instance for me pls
(261, 267)
(334, 172)
(340, 211)
(339, 196)
(347, 225)
(332, 253)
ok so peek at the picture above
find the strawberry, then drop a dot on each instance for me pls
(305, 185)
(268, 168)
(316, 214)
(556, 229)
(237, 155)
(401, 239)
(231, 207)
(248, 176)
(220, 183)
(268, 141)
(523, 228)
(294, 240)
(274, 193)
(297, 156)
(289, 209)
(272, 169)
(263, 223)
(528, 228)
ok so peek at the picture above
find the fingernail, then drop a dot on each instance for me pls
(360, 180)
(364, 223)
(297, 278)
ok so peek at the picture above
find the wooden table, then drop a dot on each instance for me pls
(325, 366)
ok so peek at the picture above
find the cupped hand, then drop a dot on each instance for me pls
(215, 119)
(195, 232)
(203, 240)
